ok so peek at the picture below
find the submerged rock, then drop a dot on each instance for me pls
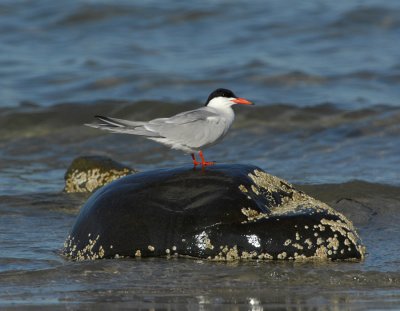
(225, 212)
(88, 173)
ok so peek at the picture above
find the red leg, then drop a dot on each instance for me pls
(203, 161)
(195, 163)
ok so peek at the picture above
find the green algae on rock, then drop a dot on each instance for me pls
(88, 173)
(225, 212)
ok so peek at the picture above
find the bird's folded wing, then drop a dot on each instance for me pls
(185, 117)
(193, 128)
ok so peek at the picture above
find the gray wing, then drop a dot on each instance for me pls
(195, 128)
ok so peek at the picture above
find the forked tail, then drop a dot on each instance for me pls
(123, 126)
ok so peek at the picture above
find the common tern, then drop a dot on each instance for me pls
(189, 131)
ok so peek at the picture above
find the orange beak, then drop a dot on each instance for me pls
(242, 101)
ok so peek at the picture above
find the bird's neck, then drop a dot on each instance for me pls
(225, 111)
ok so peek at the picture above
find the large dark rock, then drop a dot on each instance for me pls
(224, 212)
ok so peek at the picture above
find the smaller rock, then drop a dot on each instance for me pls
(88, 173)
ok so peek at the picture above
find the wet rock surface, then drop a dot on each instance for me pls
(88, 173)
(224, 212)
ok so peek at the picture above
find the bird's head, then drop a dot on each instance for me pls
(225, 98)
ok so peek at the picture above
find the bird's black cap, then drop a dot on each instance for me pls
(220, 93)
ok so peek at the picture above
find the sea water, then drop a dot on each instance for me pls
(325, 77)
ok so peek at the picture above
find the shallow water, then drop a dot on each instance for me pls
(32, 272)
(325, 78)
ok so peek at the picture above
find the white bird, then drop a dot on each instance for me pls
(189, 131)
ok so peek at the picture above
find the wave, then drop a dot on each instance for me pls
(154, 15)
(301, 78)
(367, 17)
(31, 119)
(90, 14)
